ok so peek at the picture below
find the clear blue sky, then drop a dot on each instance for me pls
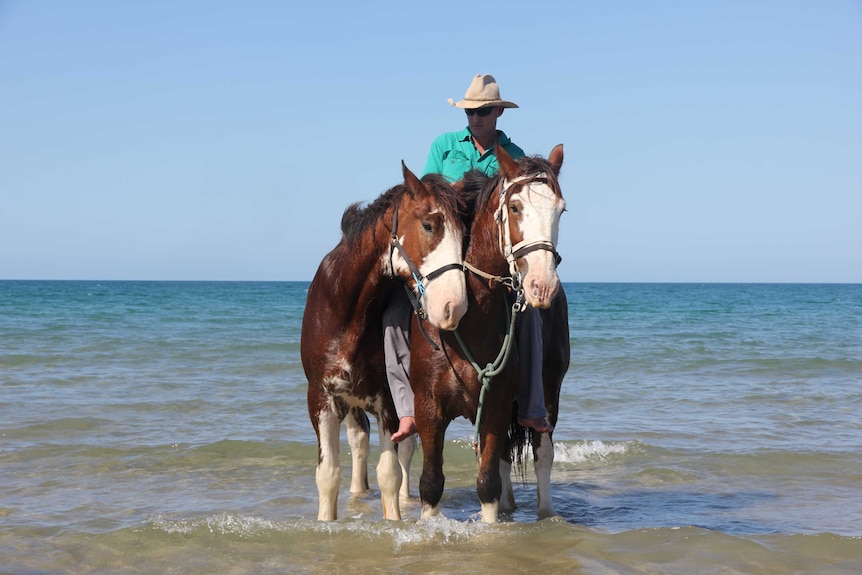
(211, 140)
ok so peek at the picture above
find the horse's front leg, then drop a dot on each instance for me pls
(388, 474)
(328, 472)
(432, 480)
(358, 428)
(544, 462)
(489, 485)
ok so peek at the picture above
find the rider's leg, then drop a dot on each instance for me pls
(396, 351)
(531, 392)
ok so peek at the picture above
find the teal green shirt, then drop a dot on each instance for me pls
(453, 154)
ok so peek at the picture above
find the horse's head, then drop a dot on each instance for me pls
(430, 231)
(529, 217)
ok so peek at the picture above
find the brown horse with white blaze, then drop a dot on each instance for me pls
(512, 248)
(415, 232)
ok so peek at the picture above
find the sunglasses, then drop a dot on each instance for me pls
(481, 112)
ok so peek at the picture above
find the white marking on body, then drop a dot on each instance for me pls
(341, 384)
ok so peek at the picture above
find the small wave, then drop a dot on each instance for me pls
(594, 451)
(66, 426)
(222, 524)
(402, 533)
(573, 452)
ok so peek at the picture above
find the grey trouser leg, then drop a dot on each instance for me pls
(396, 351)
(531, 391)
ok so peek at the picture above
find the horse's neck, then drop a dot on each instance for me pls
(484, 248)
(483, 252)
(357, 276)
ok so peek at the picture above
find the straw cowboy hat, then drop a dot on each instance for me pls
(482, 93)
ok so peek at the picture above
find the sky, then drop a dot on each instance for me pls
(210, 140)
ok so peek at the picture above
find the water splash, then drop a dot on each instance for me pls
(594, 451)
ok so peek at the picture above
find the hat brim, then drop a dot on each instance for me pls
(475, 104)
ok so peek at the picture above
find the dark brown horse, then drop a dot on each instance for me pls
(406, 233)
(511, 249)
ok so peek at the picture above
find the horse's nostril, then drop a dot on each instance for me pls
(448, 311)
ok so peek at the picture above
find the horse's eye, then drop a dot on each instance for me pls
(513, 208)
(427, 227)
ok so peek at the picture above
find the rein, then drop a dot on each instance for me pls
(487, 373)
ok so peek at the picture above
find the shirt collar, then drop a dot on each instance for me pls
(502, 139)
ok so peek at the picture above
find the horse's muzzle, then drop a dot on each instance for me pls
(540, 291)
(452, 314)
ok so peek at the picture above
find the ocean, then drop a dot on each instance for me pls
(161, 427)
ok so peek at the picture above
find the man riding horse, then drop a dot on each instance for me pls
(453, 155)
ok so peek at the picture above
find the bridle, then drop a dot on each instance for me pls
(513, 253)
(421, 280)
(501, 216)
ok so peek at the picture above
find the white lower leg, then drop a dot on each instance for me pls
(406, 449)
(328, 473)
(430, 511)
(490, 511)
(357, 437)
(389, 478)
(544, 463)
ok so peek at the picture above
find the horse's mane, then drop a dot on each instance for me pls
(534, 164)
(450, 199)
(475, 192)
(479, 186)
(359, 218)
(538, 164)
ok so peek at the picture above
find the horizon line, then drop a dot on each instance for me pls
(654, 282)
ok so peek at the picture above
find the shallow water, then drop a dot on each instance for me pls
(161, 427)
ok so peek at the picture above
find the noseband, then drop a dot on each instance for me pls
(421, 280)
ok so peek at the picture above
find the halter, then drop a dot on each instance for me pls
(421, 280)
(501, 216)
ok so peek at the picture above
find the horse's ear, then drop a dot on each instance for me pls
(556, 159)
(459, 185)
(508, 166)
(410, 180)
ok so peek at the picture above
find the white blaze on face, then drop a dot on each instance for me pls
(540, 221)
(446, 295)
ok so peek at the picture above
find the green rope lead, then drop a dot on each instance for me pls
(492, 369)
